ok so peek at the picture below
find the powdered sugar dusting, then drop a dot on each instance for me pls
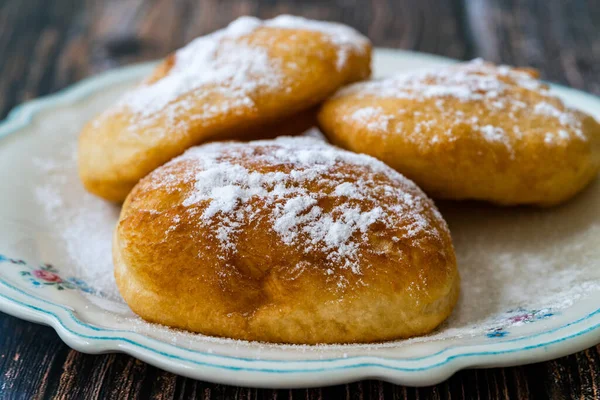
(471, 81)
(494, 134)
(566, 119)
(232, 67)
(374, 118)
(224, 179)
(84, 222)
(493, 87)
(509, 259)
(240, 70)
(225, 62)
(534, 265)
(345, 39)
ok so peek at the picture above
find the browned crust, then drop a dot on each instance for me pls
(115, 151)
(452, 161)
(178, 276)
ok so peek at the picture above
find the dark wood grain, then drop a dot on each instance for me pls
(561, 38)
(46, 45)
(34, 363)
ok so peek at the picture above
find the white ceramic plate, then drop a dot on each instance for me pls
(531, 278)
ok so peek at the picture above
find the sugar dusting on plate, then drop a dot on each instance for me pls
(84, 222)
(509, 258)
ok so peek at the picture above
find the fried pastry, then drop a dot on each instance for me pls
(470, 131)
(233, 83)
(290, 241)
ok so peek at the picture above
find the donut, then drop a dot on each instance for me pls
(470, 131)
(289, 240)
(231, 84)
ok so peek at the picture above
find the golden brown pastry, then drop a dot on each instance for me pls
(289, 240)
(470, 131)
(230, 84)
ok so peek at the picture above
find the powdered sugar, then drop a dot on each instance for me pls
(237, 70)
(344, 38)
(471, 81)
(517, 258)
(224, 179)
(233, 68)
(565, 118)
(509, 259)
(492, 133)
(84, 222)
(492, 87)
(374, 118)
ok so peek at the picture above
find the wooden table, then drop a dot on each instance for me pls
(46, 45)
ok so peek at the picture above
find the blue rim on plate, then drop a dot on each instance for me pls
(262, 373)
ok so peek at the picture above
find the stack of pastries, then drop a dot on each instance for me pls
(234, 225)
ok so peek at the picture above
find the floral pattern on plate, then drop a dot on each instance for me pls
(46, 275)
(517, 317)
